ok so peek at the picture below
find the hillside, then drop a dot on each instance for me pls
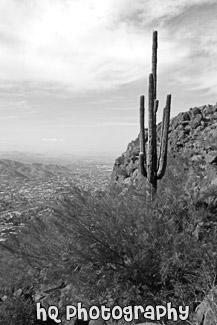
(192, 134)
(61, 244)
(15, 169)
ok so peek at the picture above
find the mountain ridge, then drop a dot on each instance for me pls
(12, 168)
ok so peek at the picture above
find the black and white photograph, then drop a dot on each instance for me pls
(108, 162)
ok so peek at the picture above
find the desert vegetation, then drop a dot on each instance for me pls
(152, 165)
(114, 249)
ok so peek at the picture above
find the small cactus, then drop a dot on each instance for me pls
(152, 166)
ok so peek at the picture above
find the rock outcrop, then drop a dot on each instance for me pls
(192, 133)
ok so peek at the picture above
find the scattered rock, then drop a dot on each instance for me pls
(18, 293)
(4, 298)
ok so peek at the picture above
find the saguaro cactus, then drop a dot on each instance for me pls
(153, 166)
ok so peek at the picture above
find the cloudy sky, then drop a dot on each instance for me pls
(72, 71)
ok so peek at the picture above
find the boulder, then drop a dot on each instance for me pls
(194, 111)
(206, 312)
(18, 293)
(196, 121)
(211, 158)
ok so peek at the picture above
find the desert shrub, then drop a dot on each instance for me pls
(20, 311)
(117, 250)
(17, 311)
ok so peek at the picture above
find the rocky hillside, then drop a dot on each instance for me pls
(192, 133)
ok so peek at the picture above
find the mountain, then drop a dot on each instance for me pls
(192, 134)
(15, 169)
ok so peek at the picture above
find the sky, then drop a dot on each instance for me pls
(72, 71)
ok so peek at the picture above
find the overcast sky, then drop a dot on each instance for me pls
(72, 71)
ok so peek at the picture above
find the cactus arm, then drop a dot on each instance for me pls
(142, 155)
(154, 152)
(161, 137)
(150, 160)
(156, 102)
(164, 139)
(154, 61)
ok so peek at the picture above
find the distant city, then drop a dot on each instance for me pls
(31, 183)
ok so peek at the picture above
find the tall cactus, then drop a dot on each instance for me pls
(152, 166)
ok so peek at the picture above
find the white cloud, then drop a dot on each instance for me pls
(50, 139)
(94, 44)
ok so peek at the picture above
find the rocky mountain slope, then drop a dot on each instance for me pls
(192, 134)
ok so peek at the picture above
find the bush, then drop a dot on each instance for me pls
(117, 250)
(17, 311)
